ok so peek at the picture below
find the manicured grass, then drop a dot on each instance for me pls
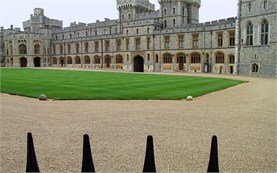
(88, 85)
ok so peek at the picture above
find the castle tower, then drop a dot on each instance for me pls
(176, 13)
(130, 9)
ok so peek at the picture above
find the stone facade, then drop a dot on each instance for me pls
(142, 39)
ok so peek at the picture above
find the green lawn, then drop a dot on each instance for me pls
(88, 85)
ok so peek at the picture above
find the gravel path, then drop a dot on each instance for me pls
(243, 118)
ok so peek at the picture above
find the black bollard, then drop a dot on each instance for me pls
(87, 164)
(149, 162)
(32, 165)
(213, 163)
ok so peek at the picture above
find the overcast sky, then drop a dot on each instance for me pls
(14, 12)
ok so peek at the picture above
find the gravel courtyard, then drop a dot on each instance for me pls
(242, 117)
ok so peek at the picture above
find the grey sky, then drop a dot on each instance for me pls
(14, 12)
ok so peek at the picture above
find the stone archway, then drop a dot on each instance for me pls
(23, 62)
(138, 64)
(37, 62)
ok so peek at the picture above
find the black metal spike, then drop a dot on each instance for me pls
(32, 165)
(149, 162)
(87, 163)
(213, 163)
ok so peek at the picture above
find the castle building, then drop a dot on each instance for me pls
(144, 40)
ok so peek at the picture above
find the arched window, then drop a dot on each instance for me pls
(119, 59)
(97, 60)
(249, 34)
(195, 58)
(37, 49)
(54, 60)
(87, 60)
(255, 68)
(219, 58)
(22, 49)
(167, 58)
(77, 60)
(264, 33)
(69, 60)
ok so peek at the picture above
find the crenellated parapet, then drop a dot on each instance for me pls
(129, 3)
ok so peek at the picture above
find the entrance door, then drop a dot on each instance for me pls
(23, 62)
(181, 63)
(37, 62)
(138, 64)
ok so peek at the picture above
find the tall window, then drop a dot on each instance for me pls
(68, 48)
(129, 16)
(11, 48)
(195, 58)
(77, 47)
(37, 49)
(61, 49)
(107, 46)
(231, 59)
(118, 44)
(165, 24)
(249, 7)
(167, 42)
(249, 34)
(232, 38)
(148, 42)
(96, 46)
(219, 58)
(264, 33)
(97, 60)
(174, 11)
(54, 49)
(22, 49)
(265, 4)
(137, 43)
(173, 22)
(195, 40)
(181, 41)
(86, 47)
(219, 39)
(127, 44)
(165, 12)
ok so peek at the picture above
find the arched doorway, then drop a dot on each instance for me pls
(138, 64)
(23, 62)
(37, 62)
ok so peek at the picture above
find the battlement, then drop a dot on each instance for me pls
(127, 3)
(196, 2)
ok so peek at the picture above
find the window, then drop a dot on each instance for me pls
(265, 4)
(165, 24)
(54, 60)
(86, 47)
(181, 41)
(119, 60)
(148, 57)
(77, 47)
(11, 48)
(195, 58)
(127, 44)
(165, 12)
(7, 52)
(61, 48)
(97, 60)
(249, 34)
(167, 59)
(148, 42)
(37, 49)
(148, 30)
(231, 59)
(107, 46)
(137, 31)
(174, 10)
(68, 48)
(122, 17)
(22, 49)
(255, 68)
(96, 46)
(167, 42)
(69, 60)
(127, 32)
(77, 60)
(195, 40)
(127, 57)
(232, 38)
(129, 16)
(264, 33)
(249, 7)
(219, 39)
(181, 58)
(137, 43)
(219, 58)
(87, 60)
(54, 49)
(173, 22)
(118, 44)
